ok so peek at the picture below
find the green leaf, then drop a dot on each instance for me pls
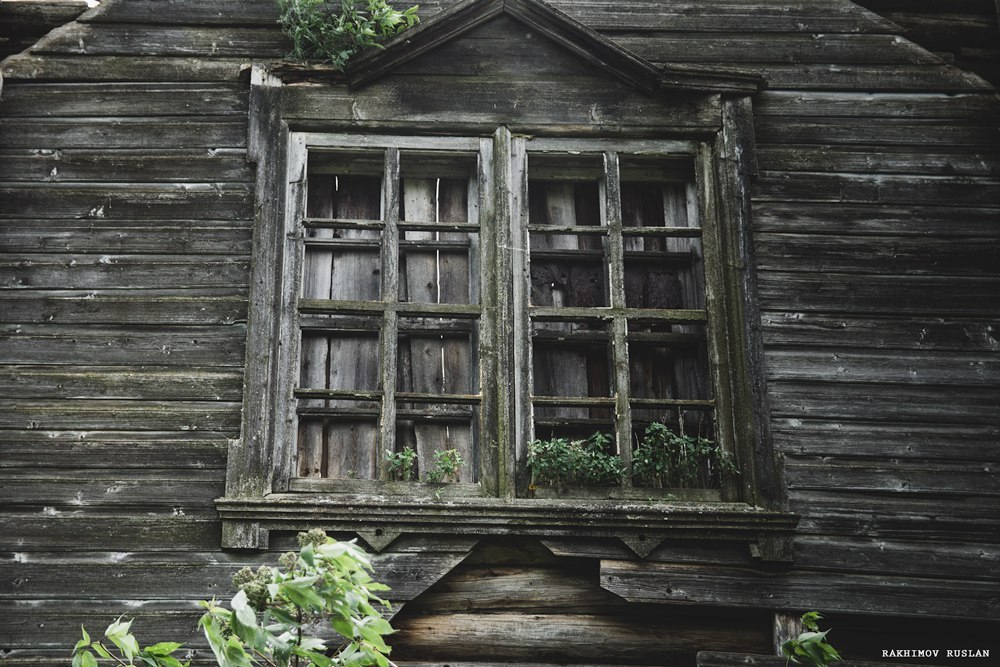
(163, 648)
(87, 659)
(101, 651)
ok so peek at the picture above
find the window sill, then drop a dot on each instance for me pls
(379, 518)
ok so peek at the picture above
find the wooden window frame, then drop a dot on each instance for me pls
(260, 496)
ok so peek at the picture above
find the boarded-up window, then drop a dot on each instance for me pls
(410, 255)
(388, 311)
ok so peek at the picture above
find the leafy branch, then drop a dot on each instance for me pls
(270, 620)
(318, 32)
(810, 647)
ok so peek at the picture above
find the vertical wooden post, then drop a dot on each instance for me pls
(619, 324)
(390, 296)
(489, 429)
(786, 626)
(511, 312)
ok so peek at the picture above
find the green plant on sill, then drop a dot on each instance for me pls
(270, 618)
(318, 32)
(400, 465)
(562, 462)
(810, 646)
(447, 465)
(665, 459)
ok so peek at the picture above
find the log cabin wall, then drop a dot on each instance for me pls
(126, 207)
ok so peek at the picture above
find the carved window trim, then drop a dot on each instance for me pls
(258, 499)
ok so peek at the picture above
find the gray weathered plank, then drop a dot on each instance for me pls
(874, 402)
(909, 558)
(935, 368)
(886, 295)
(122, 39)
(966, 479)
(120, 382)
(854, 159)
(491, 101)
(181, 307)
(958, 191)
(867, 105)
(898, 255)
(788, 48)
(42, 100)
(116, 237)
(159, 450)
(879, 333)
(123, 345)
(818, 437)
(123, 132)
(184, 201)
(874, 218)
(166, 165)
(51, 271)
(77, 69)
(877, 131)
(50, 529)
(856, 593)
(92, 414)
(136, 489)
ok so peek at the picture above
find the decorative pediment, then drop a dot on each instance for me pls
(587, 44)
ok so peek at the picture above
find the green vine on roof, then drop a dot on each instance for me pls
(319, 32)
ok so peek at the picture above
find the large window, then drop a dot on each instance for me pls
(476, 295)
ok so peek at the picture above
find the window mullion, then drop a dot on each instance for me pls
(619, 323)
(390, 296)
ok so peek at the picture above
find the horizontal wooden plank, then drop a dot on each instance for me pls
(189, 201)
(876, 219)
(28, 66)
(224, 165)
(919, 559)
(903, 440)
(38, 17)
(570, 105)
(931, 368)
(899, 160)
(965, 478)
(183, 307)
(183, 346)
(880, 295)
(847, 593)
(881, 333)
(164, 40)
(110, 415)
(958, 191)
(34, 624)
(879, 254)
(49, 529)
(925, 518)
(876, 105)
(121, 382)
(51, 271)
(724, 16)
(159, 450)
(866, 78)
(872, 402)
(113, 237)
(799, 48)
(565, 637)
(135, 489)
(169, 576)
(43, 100)
(876, 132)
(123, 132)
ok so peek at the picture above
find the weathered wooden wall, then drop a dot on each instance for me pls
(125, 216)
